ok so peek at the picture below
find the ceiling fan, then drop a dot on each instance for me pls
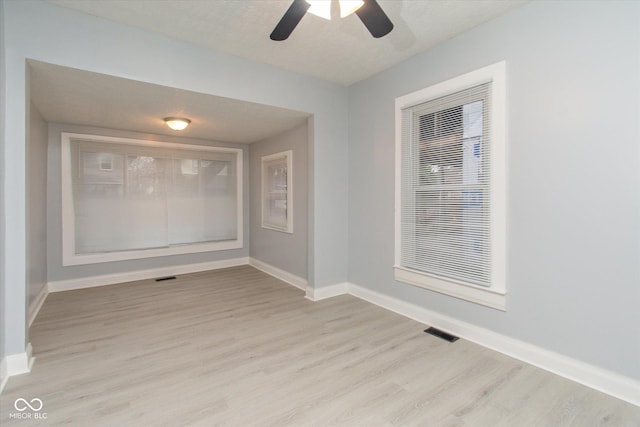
(369, 12)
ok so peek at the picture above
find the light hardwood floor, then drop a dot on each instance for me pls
(236, 347)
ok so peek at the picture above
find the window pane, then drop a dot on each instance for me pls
(202, 205)
(440, 147)
(445, 198)
(219, 200)
(146, 224)
(450, 234)
(275, 193)
(147, 177)
(117, 209)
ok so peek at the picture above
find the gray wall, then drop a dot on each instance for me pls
(573, 174)
(282, 250)
(45, 32)
(36, 172)
(54, 217)
(3, 318)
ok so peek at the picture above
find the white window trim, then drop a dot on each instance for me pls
(494, 296)
(69, 256)
(288, 155)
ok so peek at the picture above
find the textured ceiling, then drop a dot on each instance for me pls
(67, 95)
(340, 50)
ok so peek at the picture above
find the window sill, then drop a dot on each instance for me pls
(275, 228)
(477, 294)
(96, 258)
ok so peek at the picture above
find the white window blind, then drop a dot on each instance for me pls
(130, 197)
(445, 186)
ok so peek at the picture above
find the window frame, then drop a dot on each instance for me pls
(264, 161)
(493, 296)
(69, 255)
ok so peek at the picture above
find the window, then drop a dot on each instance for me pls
(126, 198)
(277, 210)
(106, 162)
(450, 187)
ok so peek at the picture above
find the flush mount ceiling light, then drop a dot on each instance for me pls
(177, 123)
(369, 12)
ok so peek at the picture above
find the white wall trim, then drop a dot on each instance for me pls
(112, 279)
(608, 382)
(317, 294)
(15, 364)
(4, 375)
(36, 304)
(477, 294)
(285, 276)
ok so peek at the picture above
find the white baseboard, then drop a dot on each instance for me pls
(608, 382)
(15, 364)
(278, 273)
(36, 304)
(317, 294)
(112, 279)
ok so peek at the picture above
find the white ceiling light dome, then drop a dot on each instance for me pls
(177, 123)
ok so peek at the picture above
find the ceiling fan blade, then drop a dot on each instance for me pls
(374, 18)
(289, 20)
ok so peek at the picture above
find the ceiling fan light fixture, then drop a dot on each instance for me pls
(347, 7)
(177, 123)
(369, 12)
(321, 8)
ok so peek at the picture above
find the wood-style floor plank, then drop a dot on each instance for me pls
(236, 347)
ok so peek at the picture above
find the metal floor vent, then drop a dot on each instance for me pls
(441, 334)
(162, 279)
